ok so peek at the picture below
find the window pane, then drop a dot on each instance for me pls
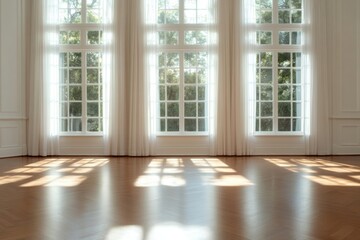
(74, 37)
(168, 38)
(264, 3)
(64, 110)
(162, 110)
(284, 38)
(296, 38)
(202, 76)
(70, 3)
(63, 76)
(284, 76)
(190, 109)
(172, 16)
(93, 109)
(284, 109)
(284, 16)
(296, 124)
(190, 16)
(93, 16)
(296, 16)
(75, 93)
(296, 4)
(172, 75)
(201, 109)
(296, 59)
(173, 125)
(266, 125)
(296, 109)
(70, 15)
(162, 93)
(92, 92)
(64, 125)
(92, 75)
(265, 59)
(75, 59)
(75, 75)
(172, 92)
(75, 109)
(284, 125)
(284, 59)
(190, 93)
(172, 4)
(264, 37)
(190, 125)
(263, 16)
(92, 59)
(201, 92)
(266, 75)
(296, 76)
(162, 125)
(296, 93)
(284, 93)
(196, 37)
(94, 37)
(202, 125)
(190, 75)
(63, 60)
(266, 92)
(64, 93)
(284, 4)
(173, 109)
(75, 125)
(190, 59)
(93, 125)
(266, 109)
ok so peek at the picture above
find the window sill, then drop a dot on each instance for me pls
(81, 135)
(301, 134)
(182, 134)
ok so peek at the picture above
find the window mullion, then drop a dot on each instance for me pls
(276, 92)
(181, 94)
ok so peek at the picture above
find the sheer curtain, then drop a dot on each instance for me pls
(43, 93)
(127, 127)
(317, 123)
(232, 124)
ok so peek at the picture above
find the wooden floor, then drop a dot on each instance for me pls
(180, 198)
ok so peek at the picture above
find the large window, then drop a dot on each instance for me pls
(183, 61)
(279, 83)
(80, 39)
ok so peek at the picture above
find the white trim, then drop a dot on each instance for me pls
(13, 118)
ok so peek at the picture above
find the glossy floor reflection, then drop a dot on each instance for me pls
(192, 198)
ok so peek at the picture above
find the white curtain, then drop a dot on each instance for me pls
(232, 122)
(43, 93)
(115, 120)
(317, 123)
(127, 129)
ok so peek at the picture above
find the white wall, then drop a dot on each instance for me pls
(12, 83)
(344, 72)
(343, 29)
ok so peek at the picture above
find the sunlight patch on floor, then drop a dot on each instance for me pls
(161, 231)
(171, 172)
(316, 170)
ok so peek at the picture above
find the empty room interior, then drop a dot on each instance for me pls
(179, 119)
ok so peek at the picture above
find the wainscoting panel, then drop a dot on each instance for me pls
(12, 137)
(79, 145)
(12, 80)
(180, 145)
(346, 136)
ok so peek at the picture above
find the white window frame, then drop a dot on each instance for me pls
(83, 47)
(275, 47)
(181, 48)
